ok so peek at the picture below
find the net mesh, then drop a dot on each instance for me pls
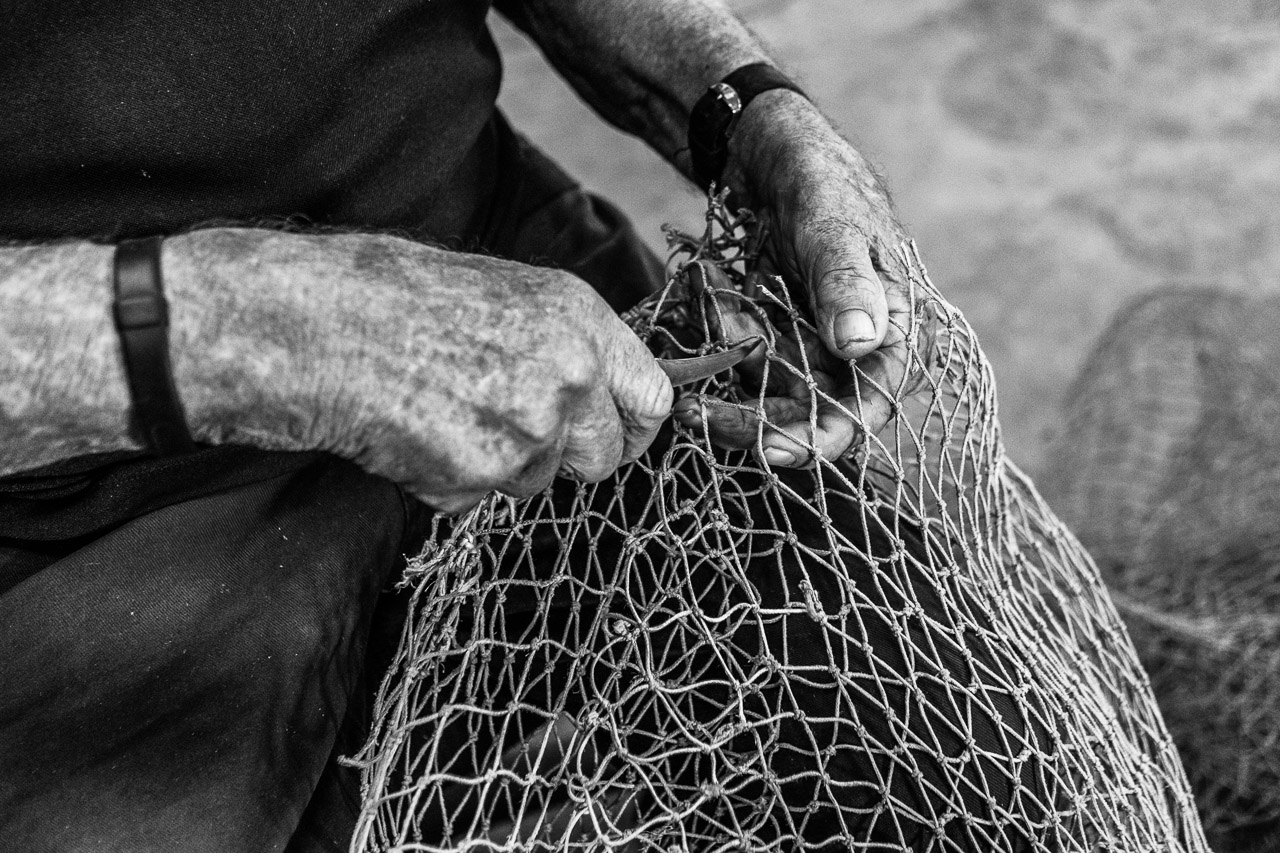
(1168, 466)
(898, 650)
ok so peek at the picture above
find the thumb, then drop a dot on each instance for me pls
(849, 303)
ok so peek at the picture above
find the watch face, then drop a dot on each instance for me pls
(729, 97)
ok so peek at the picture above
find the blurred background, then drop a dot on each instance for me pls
(1096, 184)
(1051, 158)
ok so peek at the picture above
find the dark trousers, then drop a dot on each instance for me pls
(177, 680)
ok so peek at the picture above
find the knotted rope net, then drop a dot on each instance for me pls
(898, 650)
(1168, 466)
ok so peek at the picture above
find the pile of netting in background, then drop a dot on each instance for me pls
(901, 650)
(1168, 468)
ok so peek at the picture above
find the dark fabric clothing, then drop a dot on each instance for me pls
(191, 642)
(91, 495)
(178, 682)
(145, 116)
(542, 216)
(195, 639)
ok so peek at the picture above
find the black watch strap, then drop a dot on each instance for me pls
(715, 115)
(142, 319)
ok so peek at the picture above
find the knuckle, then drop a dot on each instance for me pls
(578, 367)
(548, 405)
(531, 424)
(487, 470)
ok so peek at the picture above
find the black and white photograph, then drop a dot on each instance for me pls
(640, 426)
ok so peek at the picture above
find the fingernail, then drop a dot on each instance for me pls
(688, 413)
(777, 456)
(854, 326)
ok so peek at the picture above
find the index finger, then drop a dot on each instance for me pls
(861, 407)
(640, 389)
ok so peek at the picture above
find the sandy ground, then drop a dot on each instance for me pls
(1052, 159)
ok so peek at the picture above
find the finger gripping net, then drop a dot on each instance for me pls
(901, 649)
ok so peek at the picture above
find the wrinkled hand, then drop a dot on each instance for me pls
(453, 375)
(832, 237)
(512, 375)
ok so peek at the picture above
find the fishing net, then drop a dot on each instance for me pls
(898, 650)
(1168, 467)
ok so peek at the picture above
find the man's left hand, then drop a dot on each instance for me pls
(833, 237)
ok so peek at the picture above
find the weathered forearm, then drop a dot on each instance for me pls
(62, 384)
(641, 64)
(249, 360)
(452, 374)
(247, 310)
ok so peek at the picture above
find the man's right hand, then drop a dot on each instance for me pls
(450, 374)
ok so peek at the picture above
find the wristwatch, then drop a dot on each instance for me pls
(715, 116)
(142, 320)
